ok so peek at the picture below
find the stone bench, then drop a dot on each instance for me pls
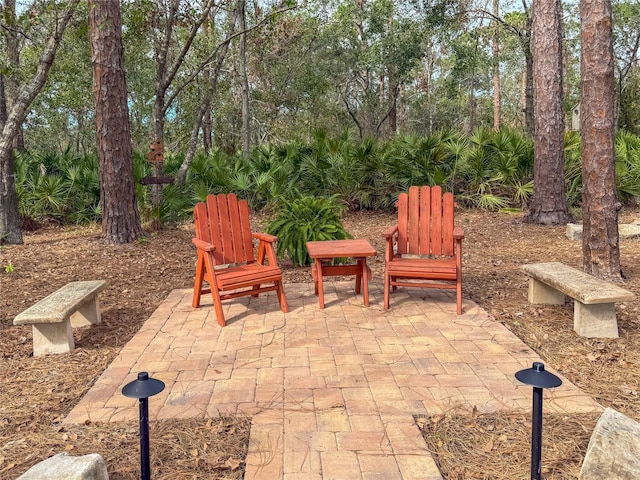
(594, 313)
(52, 318)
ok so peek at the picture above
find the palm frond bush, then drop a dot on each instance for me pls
(627, 148)
(304, 218)
(573, 168)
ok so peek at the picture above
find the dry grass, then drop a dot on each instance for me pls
(179, 449)
(498, 446)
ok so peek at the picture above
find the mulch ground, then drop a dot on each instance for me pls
(36, 393)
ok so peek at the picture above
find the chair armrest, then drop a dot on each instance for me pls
(202, 245)
(390, 232)
(264, 237)
(458, 233)
(388, 235)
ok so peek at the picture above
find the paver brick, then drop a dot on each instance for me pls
(340, 466)
(363, 442)
(332, 392)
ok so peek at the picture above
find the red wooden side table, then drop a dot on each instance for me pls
(325, 251)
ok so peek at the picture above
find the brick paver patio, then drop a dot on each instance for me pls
(333, 393)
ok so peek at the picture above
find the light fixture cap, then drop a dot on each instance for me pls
(143, 387)
(538, 377)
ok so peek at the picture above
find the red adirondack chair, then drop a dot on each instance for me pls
(226, 259)
(428, 247)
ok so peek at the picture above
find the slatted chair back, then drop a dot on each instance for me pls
(223, 221)
(425, 222)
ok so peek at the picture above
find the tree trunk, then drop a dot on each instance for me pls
(206, 119)
(10, 222)
(496, 68)
(167, 70)
(204, 112)
(549, 205)
(9, 212)
(524, 37)
(120, 219)
(10, 227)
(246, 119)
(393, 117)
(600, 240)
(12, 59)
(529, 117)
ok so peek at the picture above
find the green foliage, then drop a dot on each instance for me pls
(497, 171)
(8, 268)
(488, 169)
(627, 166)
(58, 185)
(573, 167)
(304, 218)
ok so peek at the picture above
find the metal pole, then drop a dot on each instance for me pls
(145, 469)
(536, 434)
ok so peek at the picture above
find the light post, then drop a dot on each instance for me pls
(143, 388)
(539, 379)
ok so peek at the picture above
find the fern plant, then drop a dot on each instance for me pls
(305, 218)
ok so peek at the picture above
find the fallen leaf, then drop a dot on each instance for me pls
(233, 463)
(488, 446)
(8, 467)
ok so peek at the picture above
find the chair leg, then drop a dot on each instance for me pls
(459, 298)
(284, 306)
(217, 305)
(215, 294)
(197, 284)
(387, 284)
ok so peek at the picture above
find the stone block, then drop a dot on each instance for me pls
(52, 338)
(65, 467)
(542, 294)
(626, 231)
(614, 449)
(595, 321)
(574, 231)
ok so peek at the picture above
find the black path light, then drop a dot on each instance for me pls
(143, 388)
(539, 379)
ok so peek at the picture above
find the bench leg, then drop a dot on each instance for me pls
(595, 321)
(87, 314)
(541, 293)
(52, 338)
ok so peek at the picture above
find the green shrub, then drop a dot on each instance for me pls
(305, 218)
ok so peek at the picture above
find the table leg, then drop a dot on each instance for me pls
(319, 283)
(365, 281)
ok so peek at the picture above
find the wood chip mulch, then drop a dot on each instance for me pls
(36, 393)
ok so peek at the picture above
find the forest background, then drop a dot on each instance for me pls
(354, 99)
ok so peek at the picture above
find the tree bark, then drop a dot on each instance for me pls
(549, 205)
(9, 212)
(496, 68)
(120, 218)
(529, 116)
(12, 59)
(10, 225)
(600, 239)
